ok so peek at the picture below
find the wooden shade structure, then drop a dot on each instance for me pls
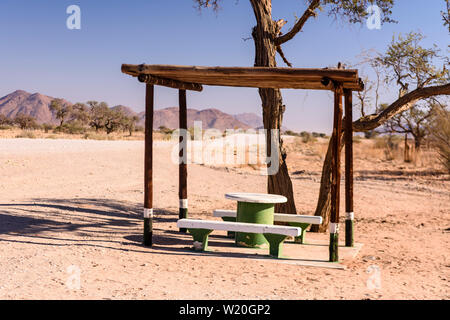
(340, 81)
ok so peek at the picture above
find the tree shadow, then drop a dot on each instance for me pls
(101, 223)
(88, 217)
(437, 175)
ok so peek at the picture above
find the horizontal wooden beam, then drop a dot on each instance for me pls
(149, 79)
(256, 77)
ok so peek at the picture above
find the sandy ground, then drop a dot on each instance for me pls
(73, 207)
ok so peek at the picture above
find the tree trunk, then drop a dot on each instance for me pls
(323, 207)
(264, 34)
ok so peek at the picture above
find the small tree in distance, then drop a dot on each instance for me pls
(97, 114)
(62, 110)
(24, 121)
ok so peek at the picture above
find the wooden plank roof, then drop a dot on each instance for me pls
(257, 77)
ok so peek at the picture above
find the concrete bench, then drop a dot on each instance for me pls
(294, 220)
(275, 235)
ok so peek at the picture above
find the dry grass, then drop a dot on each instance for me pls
(9, 133)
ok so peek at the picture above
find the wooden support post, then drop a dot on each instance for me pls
(148, 166)
(336, 173)
(183, 158)
(349, 214)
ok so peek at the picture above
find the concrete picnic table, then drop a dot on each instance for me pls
(254, 208)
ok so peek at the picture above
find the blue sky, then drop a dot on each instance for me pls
(39, 54)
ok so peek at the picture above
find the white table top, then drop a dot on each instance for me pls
(256, 197)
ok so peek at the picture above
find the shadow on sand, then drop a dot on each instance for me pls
(101, 223)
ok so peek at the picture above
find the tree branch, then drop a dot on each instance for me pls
(373, 121)
(300, 23)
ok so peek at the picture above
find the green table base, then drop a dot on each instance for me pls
(230, 234)
(261, 213)
(275, 241)
(301, 238)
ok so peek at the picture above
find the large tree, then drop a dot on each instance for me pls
(269, 38)
(414, 71)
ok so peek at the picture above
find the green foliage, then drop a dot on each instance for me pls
(291, 133)
(318, 135)
(24, 121)
(114, 120)
(165, 130)
(411, 66)
(407, 63)
(5, 121)
(446, 15)
(354, 11)
(62, 110)
(72, 127)
(47, 127)
(97, 114)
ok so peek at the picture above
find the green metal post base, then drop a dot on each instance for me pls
(200, 238)
(276, 244)
(334, 245)
(261, 213)
(349, 233)
(183, 213)
(230, 234)
(301, 238)
(148, 232)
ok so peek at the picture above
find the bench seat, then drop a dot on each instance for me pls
(301, 221)
(275, 235)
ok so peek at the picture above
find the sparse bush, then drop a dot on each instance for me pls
(47, 127)
(318, 135)
(371, 134)
(389, 144)
(291, 133)
(94, 136)
(307, 137)
(5, 121)
(25, 121)
(27, 135)
(73, 127)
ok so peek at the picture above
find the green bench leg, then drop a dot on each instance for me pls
(200, 237)
(301, 238)
(230, 234)
(276, 244)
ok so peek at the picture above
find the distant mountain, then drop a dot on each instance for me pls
(210, 118)
(37, 105)
(250, 119)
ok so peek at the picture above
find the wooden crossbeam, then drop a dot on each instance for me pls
(176, 84)
(193, 77)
